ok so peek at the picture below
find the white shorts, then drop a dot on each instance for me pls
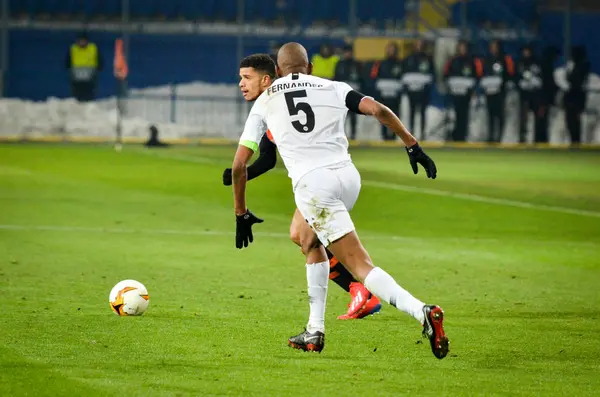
(324, 196)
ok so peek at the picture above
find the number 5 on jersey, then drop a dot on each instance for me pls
(295, 107)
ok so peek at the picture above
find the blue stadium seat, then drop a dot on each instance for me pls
(292, 11)
(252, 11)
(22, 6)
(69, 7)
(207, 9)
(54, 7)
(143, 9)
(169, 9)
(268, 10)
(372, 11)
(325, 10)
(304, 11)
(226, 10)
(103, 7)
(191, 10)
(319, 10)
(511, 12)
(260, 10)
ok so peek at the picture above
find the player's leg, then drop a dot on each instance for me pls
(362, 302)
(317, 275)
(337, 272)
(314, 188)
(328, 216)
(350, 249)
(386, 288)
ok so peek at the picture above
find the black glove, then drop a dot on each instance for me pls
(416, 155)
(243, 229)
(227, 177)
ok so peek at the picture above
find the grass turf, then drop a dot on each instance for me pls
(519, 285)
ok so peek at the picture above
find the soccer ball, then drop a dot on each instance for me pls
(129, 298)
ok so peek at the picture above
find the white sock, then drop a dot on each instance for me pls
(317, 275)
(385, 288)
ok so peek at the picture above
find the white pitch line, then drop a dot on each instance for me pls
(181, 157)
(190, 232)
(482, 199)
(442, 193)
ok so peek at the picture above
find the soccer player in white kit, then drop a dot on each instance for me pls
(306, 116)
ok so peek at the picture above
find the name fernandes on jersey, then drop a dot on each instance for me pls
(286, 86)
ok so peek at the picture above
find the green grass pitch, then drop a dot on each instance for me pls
(507, 242)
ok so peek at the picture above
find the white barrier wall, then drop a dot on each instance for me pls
(216, 111)
(220, 116)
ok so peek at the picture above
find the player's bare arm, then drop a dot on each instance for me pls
(239, 173)
(385, 116)
(267, 159)
(244, 218)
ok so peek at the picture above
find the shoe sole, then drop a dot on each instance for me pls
(373, 311)
(440, 344)
(359, 315)
(311, 347)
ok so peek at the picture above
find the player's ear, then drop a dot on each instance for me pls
(310, 68)
(266, 80)
(278, 71)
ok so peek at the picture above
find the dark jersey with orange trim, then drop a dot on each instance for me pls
(497, 71)
(270, 136)
(386, 76)
(267, 157)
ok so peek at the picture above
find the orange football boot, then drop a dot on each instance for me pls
(360, 298)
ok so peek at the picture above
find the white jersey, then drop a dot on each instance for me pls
(306, 117)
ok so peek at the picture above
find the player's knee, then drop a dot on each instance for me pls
(295, 235)
(314, 252)
(306, 247)
(309, 243)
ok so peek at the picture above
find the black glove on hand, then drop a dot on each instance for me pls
(227, 177)
(416, 155)
(243, 229)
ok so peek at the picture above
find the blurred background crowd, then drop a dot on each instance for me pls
(517, 66)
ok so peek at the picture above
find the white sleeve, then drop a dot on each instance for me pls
(342, 89)
(255, 128)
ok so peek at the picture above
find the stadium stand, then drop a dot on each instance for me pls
(306, 12)
(173, 58)
(511, 13)
(153, 60)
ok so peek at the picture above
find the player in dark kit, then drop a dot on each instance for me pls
(257, 73)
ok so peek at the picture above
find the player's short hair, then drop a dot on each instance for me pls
(261, 63)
